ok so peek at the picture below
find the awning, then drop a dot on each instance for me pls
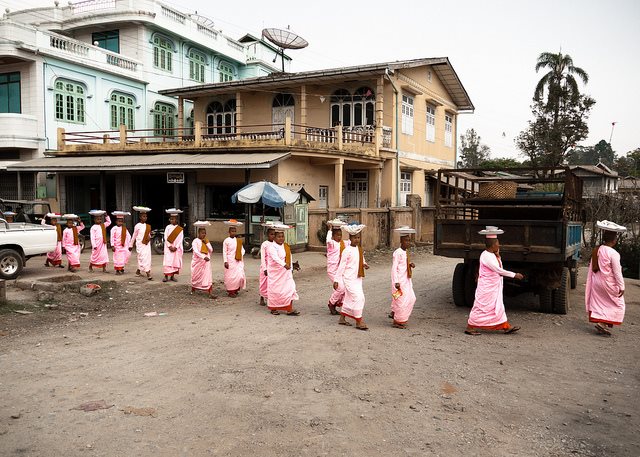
(142, 162)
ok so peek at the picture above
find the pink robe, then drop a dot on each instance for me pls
(99, 255)
(264, 254)
(73, 250)
(143, 250)
(281, 287)
(121, 252)
(172, 261)
(54, 257)
(602, 290)
(347, 277)
(488, 308)
(234, 278)
(403, 305)
(201, 277)
(333, 259)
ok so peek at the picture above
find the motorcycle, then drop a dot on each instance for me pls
(157, 240)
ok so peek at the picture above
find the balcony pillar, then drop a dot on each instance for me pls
(379, 113)
(123, 134)
(180, 118)
(239, 112)
(197, 132)
(337, 183)
(287, 130)
(60, 139)
(303, 105)
(339, 136)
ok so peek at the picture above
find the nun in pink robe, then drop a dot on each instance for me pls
(349, 275)
(334, 252)
(234, 277)
(121, 252)
(54, 257)
(281, 286)
(264, 256)
(141, 234)
(604, 298)
(72, 249)
(172, 261)
(401, 275)
(99, 254)
(201, 278)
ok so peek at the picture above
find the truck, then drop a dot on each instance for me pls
(19, 241)
(541, 213)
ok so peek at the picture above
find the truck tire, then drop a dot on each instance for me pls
(457, 285)
(11, 264)
(545, 295)
(561, 294)
(470, 284)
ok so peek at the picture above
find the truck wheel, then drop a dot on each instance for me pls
(10, 264)
(470, 284)
(561, 294)
(457, 285)
(545, 295)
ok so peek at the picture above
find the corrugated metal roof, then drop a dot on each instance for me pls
(150, 162)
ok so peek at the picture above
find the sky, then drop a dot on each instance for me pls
(493, 46)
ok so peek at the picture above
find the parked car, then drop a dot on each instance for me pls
(19, 241)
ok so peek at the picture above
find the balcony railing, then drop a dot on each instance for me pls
(92, 5)
(353, 139)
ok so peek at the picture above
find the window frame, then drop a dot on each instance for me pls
(124, 110)
(197, 65)
(163, 53)
(226, 72)
(69, 101)
(8, 107)
(408, 111)
(106, 37)
(164, 119)
(448, 130)
(431, 123)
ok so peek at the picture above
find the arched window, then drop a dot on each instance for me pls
(221, 119)
(70, 100)
(364, 101)
(121, 107)
(197, 63)
(226, 72)
(162, 53)
(164, 119)
(341, 108)
(283, 100)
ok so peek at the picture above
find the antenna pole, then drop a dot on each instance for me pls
(282, 52)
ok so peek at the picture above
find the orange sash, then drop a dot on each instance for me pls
(204, 249)
(75, 235)
(147, 234)
(59, 231)
(361, 262)
(123, 235)
(287, 255)
(238, 249)
(174, 234)
(409, 272)
(104, 233)
(342, 246)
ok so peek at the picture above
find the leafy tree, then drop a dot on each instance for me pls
(472, 152)
(591, 155)
(501, 163)
(628, 165)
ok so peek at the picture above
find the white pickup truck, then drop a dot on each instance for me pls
(20, 241)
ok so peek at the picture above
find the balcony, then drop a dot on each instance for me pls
(19, 131)
(363, 141)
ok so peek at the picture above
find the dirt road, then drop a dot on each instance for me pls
(226, 378)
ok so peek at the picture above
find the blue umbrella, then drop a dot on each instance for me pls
(268, 193)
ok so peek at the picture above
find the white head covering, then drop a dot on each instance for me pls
(268, 224)
(141, 209)
(70, 216)
(491, 231)
(201, 223)
(97, 212)
(405, 230)
(336, 223)
(280, 227)
(233, 223)
(9, 213)
(120, 214)
(53, 215)
(353, 229)
(173, 211)
(610, 226)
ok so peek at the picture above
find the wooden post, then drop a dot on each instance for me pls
(287, 130)
(60, 140)
(337, 182)
(197, 131)
(303, 105)
(180, 119)
(123, 134)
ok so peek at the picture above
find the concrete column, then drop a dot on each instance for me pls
(303, 105)
(287, 130)
(103, 191)
(176, 196)
(197, 134)
(239, 112)
(375, 179)
(60, 139)
(379, 114)
(418, 184)
(180, 117)
(337, 183)
(19, 175)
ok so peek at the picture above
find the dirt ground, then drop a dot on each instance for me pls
(224, 377)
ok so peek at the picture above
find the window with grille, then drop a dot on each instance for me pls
(405, 187)
(197, 63)
(10, 93)
(407, 115)
(162, 53)
(323, 197)
(109, 40)
(122, 110)
(353, 110)
(448, 130)
(226, 72)
(164, 119)
(70, 101)
(431, 123)
(221, 119)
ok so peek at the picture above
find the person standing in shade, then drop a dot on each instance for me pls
(201, 278)
(349, 275)
(71, 242)
(173, 249)
(335, 247)
(488, 311)
(98, 235)
(120, 241)
(54, 258)
(264, 256)
(141, 238)
(402, 293)
(281, 288)
(604, 292)
(232, 256)
(9, 216)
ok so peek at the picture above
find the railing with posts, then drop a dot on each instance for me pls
(359, 134)
(91, 5)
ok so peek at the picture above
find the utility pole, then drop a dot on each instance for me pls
(613, 124)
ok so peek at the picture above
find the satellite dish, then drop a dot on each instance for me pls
(284, 39)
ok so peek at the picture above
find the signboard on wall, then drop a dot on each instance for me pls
(175, 177)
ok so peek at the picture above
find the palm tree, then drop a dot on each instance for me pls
(560, 77)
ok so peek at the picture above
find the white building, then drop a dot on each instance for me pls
(93, 65)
